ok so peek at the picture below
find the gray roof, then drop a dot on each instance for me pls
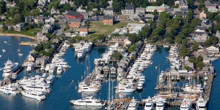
(74, 20)
(72, 13)
(200, 27)
(129, 6)
(109, 9)
(108, 17)
(83, 26)
(208, 3)
(218, 3)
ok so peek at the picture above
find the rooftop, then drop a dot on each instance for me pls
(108, 17)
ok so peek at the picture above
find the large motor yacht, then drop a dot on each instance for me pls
(34, 95)
(201, 103)
(88, 101)
(149, 104)
(186, 104)
(160, 104)
(9, 89)
(133, 105)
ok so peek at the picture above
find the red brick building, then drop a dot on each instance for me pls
(74, 15)
(108, 20)
(74, 23)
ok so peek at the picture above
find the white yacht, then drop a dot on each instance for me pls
(160, 104)
(149, 104)
(20, 54)
(34, 95)
(81, 53)
(9, 89)
(59, 69)
(3, 50)
(133, 105)
(201, 103)
(50, 79)
(186, 104)
(88, 101)
(9, 68)
(126, 89)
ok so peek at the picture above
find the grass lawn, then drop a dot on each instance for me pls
(99, 28)
(31, 32)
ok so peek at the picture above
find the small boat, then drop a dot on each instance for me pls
(149, 104)
(0, 56)
(155, 67)
(88, 101)
(3, 50)
(59, 69)
(20, 54)
(186, 104)
(5, 42)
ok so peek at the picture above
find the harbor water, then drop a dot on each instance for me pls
(63, 89)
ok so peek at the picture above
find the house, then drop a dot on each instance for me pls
(149, 17)
(218, 34)
(41, 37)
(150, 1)
(120, 40)
(123, 17)
(140, 11)
(83, 31)
(159, 9)
(212, 49)
(19, 27)
(182, 4)
(74, 15)
(43, 2)
(180, 13)
(200, 29)
(108, 11)
(108, 20)
(54, 11)
(49, 20)
(202, 15)
(10, 4)
(85, 15)
(200, 36)
(135, 27)
(39, 19)
(47, 28)
(29, 19)
(129, 9)
(62, 2)
(74, 23)
(210, 6)
(41, 61)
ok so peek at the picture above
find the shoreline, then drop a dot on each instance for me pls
(16, 35)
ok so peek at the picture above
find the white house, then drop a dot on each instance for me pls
(212, 49)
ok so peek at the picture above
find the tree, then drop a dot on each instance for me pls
(211, 41)
(2, 7)
(118, 5)
(117, 56)
(195, 46)
(131, 48)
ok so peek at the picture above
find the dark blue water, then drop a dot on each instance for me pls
(64, 86)
(214, 103)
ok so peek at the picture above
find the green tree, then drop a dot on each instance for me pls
(2, 7)
(117, 56)
(195, 46)
(118, 5)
